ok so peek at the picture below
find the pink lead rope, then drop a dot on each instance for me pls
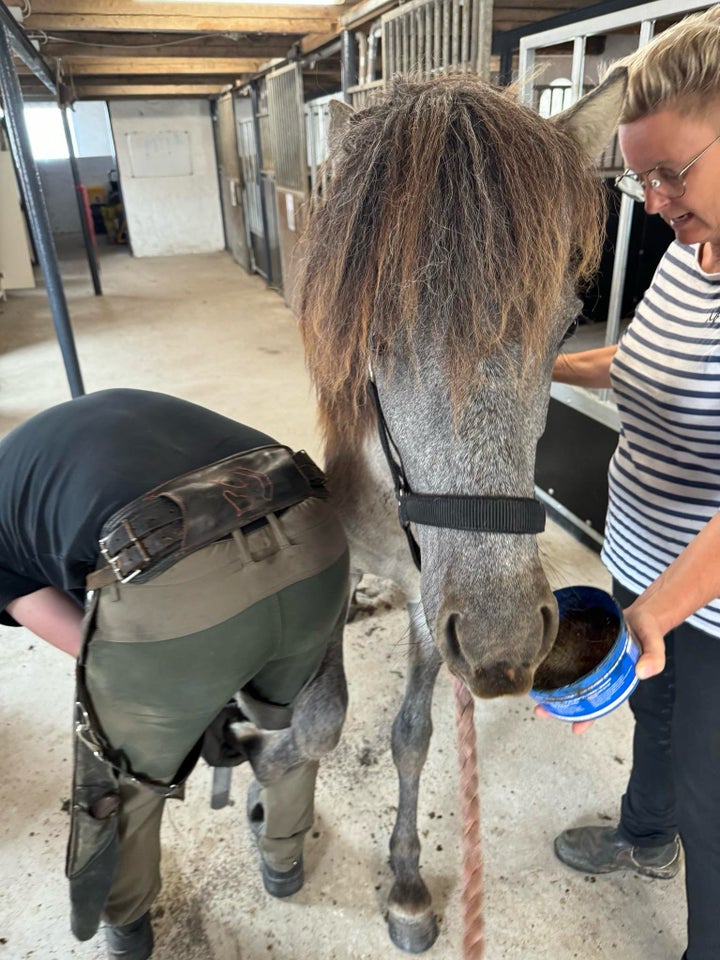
(473, 944)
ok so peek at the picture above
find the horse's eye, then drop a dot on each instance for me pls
(570, 331)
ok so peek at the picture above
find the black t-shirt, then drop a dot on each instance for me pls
(66, 470)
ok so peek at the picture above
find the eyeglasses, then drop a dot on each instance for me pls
(666, 183)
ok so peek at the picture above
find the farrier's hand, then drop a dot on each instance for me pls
(645, 628)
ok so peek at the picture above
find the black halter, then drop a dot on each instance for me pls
(456, 512)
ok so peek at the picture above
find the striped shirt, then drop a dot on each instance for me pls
(664, 477)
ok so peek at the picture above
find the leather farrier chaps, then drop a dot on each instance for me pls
(138, 542)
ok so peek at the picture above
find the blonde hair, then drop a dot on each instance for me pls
(680, 66)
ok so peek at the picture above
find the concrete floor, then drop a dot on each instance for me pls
(200, 328)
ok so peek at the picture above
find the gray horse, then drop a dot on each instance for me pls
(443, 257)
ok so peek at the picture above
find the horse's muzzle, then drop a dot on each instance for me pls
(505, 669)
(500, 680)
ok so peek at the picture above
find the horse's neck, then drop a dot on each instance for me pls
(361, 490)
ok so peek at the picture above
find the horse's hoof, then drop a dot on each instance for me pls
(413, 935)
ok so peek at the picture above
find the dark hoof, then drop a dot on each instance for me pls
(413, 935)
(283, 883)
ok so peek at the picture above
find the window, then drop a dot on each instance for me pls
(46, 132)
(89, 129)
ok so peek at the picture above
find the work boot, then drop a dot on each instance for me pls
(131, 941)
(278, 883)
(604, 850)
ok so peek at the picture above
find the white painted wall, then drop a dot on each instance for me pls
(168, 176)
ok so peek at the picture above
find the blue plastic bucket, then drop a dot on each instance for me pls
(611, 681)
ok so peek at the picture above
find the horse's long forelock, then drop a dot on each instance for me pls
(452, 213)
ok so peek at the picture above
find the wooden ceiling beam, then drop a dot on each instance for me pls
(53, 23)
(108, 91)
(137, 15)
(219, 47)
(314, 40)
(126, 66)
(168, 8)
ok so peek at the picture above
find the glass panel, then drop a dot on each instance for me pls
(46, 131)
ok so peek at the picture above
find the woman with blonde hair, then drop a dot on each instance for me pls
(662, 538)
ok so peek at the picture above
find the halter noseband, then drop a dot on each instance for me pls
(455, 512)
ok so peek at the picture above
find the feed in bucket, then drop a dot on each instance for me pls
(590, 669)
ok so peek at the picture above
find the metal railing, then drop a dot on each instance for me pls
(287, 127)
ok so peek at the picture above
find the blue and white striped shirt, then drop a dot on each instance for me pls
(665, 474)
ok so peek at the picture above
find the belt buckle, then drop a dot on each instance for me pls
(113, 561)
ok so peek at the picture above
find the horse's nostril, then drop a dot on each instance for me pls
(550, 623)
(451, 636)
(453, 653)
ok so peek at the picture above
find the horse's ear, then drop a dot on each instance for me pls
(340, 113)
(594, 118)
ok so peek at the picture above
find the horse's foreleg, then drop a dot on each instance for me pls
(308, 730)
(411, 921)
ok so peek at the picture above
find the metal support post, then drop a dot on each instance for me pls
(348, 63)
(505, 77)
(24, 49)
(37, 213)
(87, 236)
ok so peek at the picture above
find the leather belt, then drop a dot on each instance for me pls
(179, 517)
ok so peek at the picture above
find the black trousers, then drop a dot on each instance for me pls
(674, 785)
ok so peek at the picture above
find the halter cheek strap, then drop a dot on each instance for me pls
(454, 512)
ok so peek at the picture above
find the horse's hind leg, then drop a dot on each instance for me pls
(411, 922)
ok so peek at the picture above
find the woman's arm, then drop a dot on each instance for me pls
(590, 368)
(51, 615)
(690, 582)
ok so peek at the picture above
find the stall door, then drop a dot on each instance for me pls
(286, 118)
(231, 182)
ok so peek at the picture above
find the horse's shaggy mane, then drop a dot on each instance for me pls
(454, 212)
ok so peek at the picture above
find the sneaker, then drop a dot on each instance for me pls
(604, 850)
(278, 883)
(131, 941)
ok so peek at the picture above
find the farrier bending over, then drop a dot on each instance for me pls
(231, 576)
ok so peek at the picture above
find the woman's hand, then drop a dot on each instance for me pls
(643, 625)
(646, 630)
(578, 727)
